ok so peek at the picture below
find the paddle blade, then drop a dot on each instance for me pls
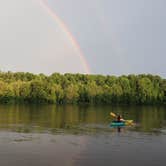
(129, 122)
(112, 114)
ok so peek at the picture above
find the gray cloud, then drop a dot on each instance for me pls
(116, 36)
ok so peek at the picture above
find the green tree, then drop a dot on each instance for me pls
(71, 93)
(145, 90)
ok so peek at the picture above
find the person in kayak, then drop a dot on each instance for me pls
(119, 118)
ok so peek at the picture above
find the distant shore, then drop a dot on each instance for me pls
(23, 87)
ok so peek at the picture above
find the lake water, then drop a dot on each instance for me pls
(49, 135)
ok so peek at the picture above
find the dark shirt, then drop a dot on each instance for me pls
(119, 118)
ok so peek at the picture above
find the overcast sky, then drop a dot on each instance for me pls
(116, 36)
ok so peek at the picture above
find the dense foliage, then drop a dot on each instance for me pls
(79, 88)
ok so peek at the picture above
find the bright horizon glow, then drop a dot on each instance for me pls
(71, 38)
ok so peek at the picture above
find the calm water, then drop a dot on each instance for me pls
(32, 135)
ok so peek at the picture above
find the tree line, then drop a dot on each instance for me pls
(79, 88)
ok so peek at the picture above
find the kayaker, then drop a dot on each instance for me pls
(119, 118)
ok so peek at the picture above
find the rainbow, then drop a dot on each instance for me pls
(44, 4)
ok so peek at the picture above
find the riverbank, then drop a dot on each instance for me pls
(82, 89)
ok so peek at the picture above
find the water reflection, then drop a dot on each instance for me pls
(80, 135)
(77, 119)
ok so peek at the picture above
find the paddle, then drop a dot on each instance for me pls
(127, 121)
(113, 115)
